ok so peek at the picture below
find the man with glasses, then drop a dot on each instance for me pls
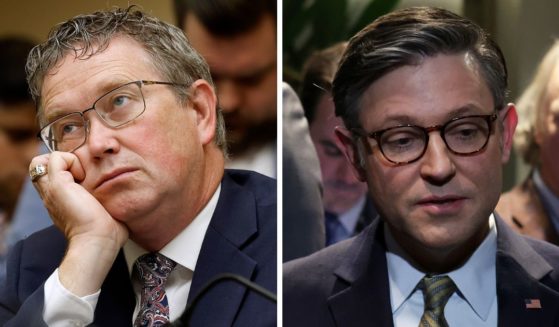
(135, 184)
(422, 95)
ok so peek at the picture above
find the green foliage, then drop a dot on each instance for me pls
(313, 25)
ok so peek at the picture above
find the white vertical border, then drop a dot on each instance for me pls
(279, 151)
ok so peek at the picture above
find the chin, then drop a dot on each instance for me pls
(439, 238)
(123, 209)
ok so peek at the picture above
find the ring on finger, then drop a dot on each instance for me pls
(37, 171)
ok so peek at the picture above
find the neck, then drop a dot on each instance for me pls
(439, 259)
(258, 137)
(161, 227)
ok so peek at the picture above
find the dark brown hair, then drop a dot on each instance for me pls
(405, 37)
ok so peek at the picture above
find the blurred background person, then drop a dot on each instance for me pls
(238, 40)
(303, 211)
(347, 208)
(532, 207)
(18, 130)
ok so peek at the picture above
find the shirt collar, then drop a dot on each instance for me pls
(190, 238)
(476, 279)
(349, 218)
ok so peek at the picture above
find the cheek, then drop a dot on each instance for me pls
(385, 185)
(260, 102)
(328, 167)
(170, 141)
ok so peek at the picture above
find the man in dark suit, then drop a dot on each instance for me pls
(422, 94)
(238, 40)
(303, 213)
(532, 206)
(347, 207)
(135, 185)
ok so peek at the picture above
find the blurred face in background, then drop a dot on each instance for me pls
(18, 145)
(244, 71)
(341, 187)
(547, 134)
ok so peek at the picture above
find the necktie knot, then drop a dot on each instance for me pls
(154, 267)
(153, 271)
(437, 290)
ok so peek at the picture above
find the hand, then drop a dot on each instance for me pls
(94, 237)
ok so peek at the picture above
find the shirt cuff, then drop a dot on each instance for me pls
(62, 308)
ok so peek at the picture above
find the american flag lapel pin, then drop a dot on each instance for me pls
(533, 303)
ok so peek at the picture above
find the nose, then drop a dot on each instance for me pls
(229, 95)
(101, 140)
(437, 166)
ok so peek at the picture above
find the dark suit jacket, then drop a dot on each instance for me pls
(346, 284)
(303, 211)
(523, 210)
(240, 239)
(366, 217)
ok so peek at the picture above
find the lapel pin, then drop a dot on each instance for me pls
(533, 303)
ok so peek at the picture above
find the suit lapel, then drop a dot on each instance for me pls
(231, 227)
(520, 272)
(366, 217)
(361, 294)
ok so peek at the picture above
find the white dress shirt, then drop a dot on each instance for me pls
(473, 304)
(261, 160)
(349, 218)
(346, 223)
(63, 308)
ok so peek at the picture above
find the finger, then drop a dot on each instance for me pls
(36, 166)
(67, 166)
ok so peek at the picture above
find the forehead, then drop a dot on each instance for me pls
(74, 83)
(325, 119)
(439, 87)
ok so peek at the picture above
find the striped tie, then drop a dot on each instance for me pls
(153, 270)
(436, 292)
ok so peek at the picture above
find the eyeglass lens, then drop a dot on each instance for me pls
(408, 143)
(116, 108)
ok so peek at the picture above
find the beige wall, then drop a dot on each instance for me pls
(34, 19)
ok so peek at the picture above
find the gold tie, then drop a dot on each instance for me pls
(436, 292)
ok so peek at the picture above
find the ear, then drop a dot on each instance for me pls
(351, 152)
(204, 102)
(509, 119)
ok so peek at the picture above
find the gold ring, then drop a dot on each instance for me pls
(37, 171)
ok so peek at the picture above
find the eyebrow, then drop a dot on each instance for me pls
(102, 90)
(467, 109)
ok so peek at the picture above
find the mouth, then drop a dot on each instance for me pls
(113, 175)
(442, 205)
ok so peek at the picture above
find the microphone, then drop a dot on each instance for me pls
(184, 319)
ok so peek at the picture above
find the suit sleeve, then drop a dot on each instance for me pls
(14, 311)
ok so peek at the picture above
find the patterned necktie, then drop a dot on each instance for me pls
(153, 270)
(436, 292)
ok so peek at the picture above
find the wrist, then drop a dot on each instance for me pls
(86, 264)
